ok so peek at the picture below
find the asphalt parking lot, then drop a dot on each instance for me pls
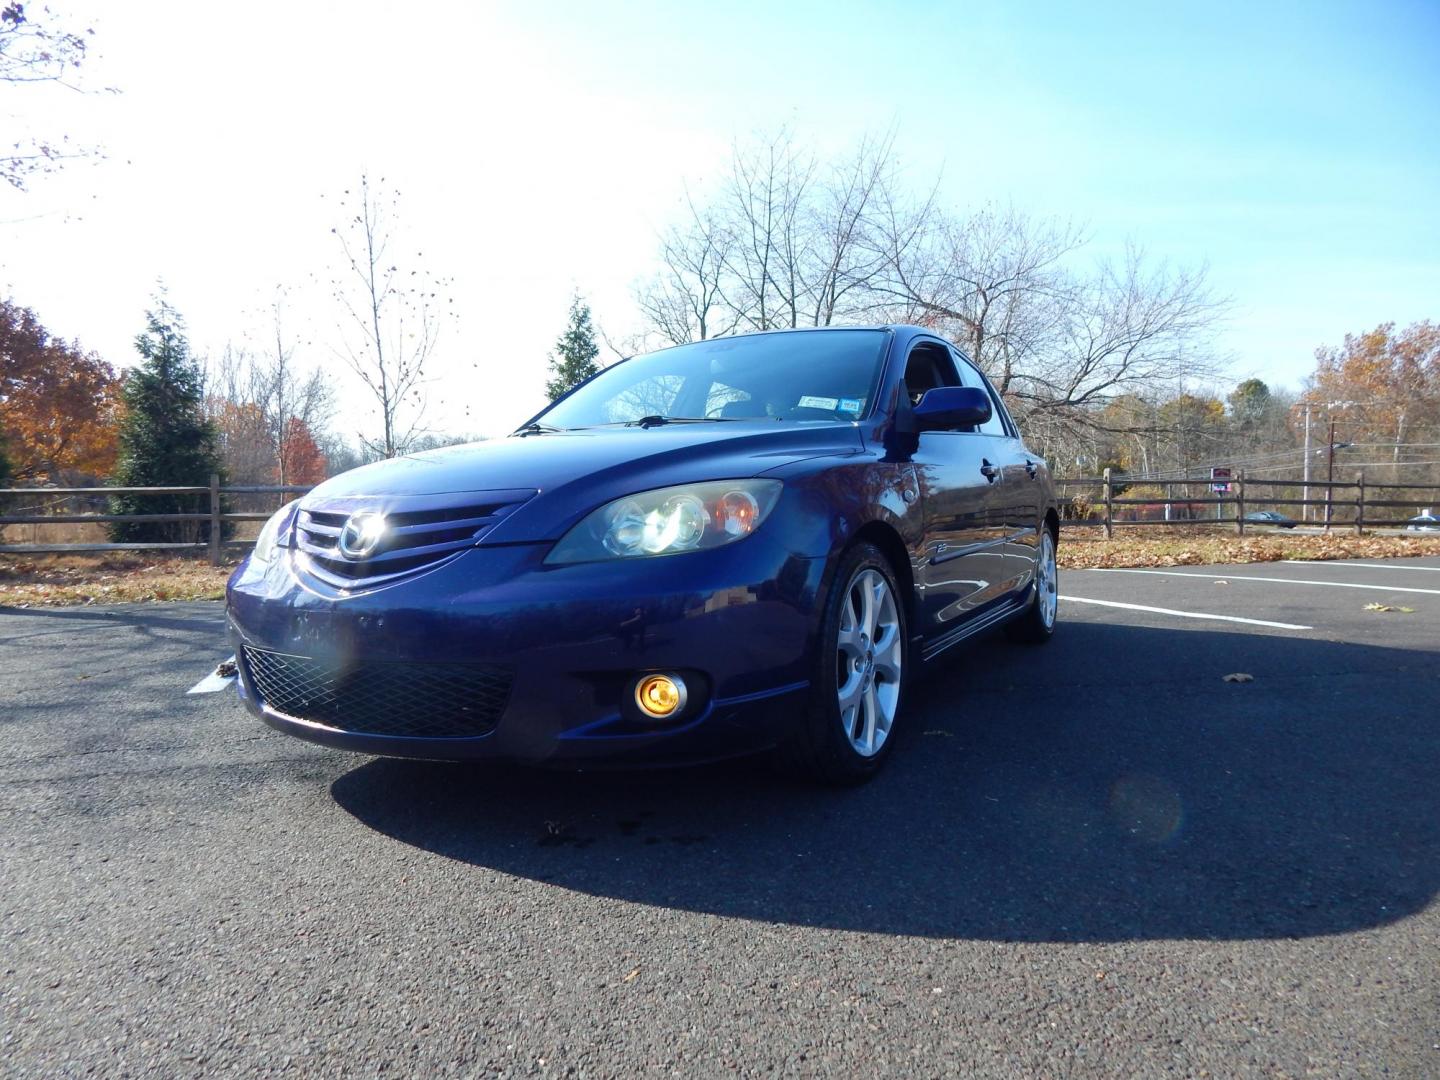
(1097, 857)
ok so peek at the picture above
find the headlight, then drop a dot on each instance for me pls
(667, 521)
(266, 542)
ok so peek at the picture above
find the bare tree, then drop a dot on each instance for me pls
(764, 201)
(1053, 334)
(992, 281)
(784, 241)
(391, 316)
(853, 203)
(33, 52)
(257, 396)
(685, 301)
(290, 395)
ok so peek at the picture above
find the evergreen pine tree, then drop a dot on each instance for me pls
(573, 360)
(165, 440)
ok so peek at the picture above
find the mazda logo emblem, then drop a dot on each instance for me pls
(362, 534)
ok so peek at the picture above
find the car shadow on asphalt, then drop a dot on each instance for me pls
(1110, 786)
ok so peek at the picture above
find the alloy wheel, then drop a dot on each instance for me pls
(1047, 580)
(868, 662)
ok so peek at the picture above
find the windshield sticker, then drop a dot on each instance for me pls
(851, 405)
(808, 402)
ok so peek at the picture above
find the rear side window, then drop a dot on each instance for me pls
(970, 376)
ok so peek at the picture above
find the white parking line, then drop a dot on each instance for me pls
(1279, 580)
(1186, 614)
(1366, 565)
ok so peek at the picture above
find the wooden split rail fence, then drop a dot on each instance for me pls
(214, 515)
(1347, 504)
(1339, 508)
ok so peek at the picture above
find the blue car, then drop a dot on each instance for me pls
(738, 545)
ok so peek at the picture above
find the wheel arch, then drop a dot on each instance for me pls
(884, 536)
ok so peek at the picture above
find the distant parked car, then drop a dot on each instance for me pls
(1269, 517)
(1423, 523)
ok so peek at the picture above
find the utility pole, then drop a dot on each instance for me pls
(1305, 508)
(1330, 478)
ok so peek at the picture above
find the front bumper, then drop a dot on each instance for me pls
(738, 622)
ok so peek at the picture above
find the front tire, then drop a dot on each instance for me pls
(1037, 625)
(858, 680)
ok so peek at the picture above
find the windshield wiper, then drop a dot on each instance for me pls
(656, 421)
(534, 428)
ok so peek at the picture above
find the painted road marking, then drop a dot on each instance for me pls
(1279, 580)
(1366, 565)
(1186, 614)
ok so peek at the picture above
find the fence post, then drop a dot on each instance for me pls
(1240, 502)
(1360, 503)
(214, 520)
(1109, 508)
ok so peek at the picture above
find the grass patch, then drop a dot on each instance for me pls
(111, 578)
(1088, 549)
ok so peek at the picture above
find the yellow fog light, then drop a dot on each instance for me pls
(660, 696)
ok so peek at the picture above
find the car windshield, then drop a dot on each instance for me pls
(824, 375)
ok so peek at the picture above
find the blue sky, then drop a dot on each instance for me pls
(1292, 148)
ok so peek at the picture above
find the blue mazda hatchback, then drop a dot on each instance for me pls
(741, 544)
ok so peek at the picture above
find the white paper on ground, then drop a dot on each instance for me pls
(214, 681)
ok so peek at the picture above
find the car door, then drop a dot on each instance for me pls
(1015, 500)
(961, 560)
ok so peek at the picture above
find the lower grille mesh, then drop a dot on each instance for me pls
(426, 701)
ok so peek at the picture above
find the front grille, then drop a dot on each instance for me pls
(418, 533)
(423, 701)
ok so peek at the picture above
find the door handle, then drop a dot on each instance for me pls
(990, 472)
(1031, 468)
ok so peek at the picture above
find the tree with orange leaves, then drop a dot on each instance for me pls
(301, 461)
(59, 406)
(1387, 382)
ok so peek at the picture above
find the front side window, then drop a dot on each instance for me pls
(928, 366)
(826, 375)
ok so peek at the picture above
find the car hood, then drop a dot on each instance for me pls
(573, 472)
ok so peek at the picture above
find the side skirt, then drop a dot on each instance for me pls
(979, 623)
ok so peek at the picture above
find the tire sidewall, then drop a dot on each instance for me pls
(1031, 626)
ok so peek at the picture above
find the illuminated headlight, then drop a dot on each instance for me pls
(267, 543)
(668, 521)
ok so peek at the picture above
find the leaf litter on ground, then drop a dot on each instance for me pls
(121, 578)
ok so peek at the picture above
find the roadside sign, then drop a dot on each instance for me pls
(1220, 480)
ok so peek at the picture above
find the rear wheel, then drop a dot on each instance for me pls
(1037, 624)
(859, 678)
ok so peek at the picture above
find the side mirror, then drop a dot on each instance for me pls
(949, 407)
